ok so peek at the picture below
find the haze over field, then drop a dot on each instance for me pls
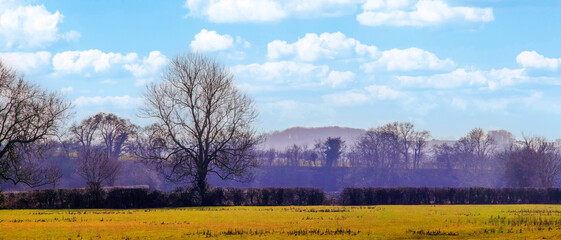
(445, 66)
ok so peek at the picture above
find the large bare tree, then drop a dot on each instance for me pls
(29, 115)
(203, 124)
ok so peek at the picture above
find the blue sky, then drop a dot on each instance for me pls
(446, 66)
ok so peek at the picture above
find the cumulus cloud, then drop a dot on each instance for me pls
(149, 65)
(30, 26)
(491, 79)
(408, 59)
(532, 59)
(210, 41)
(83, 61)
(125, 101)
(229, 11)
(148, 68)
(325, 46)
(338, 79)
(313, 47)
(281, 72)
(418, 13)
(26, 61)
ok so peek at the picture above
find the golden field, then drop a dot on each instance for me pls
(288, 222)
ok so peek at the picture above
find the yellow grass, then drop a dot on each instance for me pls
(315, 222)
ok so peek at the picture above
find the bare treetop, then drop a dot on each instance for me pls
(27, 114)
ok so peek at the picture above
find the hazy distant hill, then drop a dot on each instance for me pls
(280, 140)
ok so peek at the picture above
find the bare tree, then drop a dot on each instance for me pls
(419, 143)
(293, 155)
(406, 133)
(378, 148)
(100, 141)
(444, 156)
(534, 163)
(97, 167)
(28, 115)
(203, 124)
(114, 132)
(474, 149)
(547, 160)
(269, 156)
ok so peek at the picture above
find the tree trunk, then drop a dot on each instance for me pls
(202, 186)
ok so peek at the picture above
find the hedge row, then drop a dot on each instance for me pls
(411, 196)
(121, 198)
(143, 198)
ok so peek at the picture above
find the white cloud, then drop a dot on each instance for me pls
(382, 92)
(81, 61)
(319, 8)
(28, 26)
(67, 90)
(229, 11)
(418, 13)
(313, 47)
(281, 72)
(459, 103)
(338, 79)
(111, 82)
(210, 41)
(460, 77)
(296, 110)
(408, 59)
(372, 94)
(253, 88)
(26, 61)
(118, 101)
(532, 59)
(150, 66)
(71, 36)
(368, 94)
(349, 98)
(502, 104)
(242, 42)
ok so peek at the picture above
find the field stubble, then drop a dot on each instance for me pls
(289, 222)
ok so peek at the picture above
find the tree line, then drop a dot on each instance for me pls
(531, 162)
(202, 125)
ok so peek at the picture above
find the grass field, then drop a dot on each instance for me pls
(315, 222)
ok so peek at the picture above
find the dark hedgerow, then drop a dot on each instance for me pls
(123, 198)
(413, 196)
